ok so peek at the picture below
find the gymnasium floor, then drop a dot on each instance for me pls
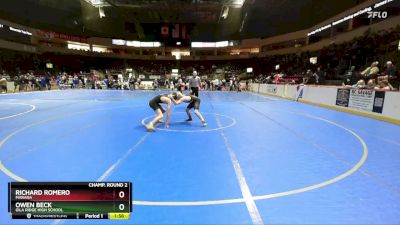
(259, 160)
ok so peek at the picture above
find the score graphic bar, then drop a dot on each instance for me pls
(70, 200)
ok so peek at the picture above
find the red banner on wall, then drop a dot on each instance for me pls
(184, 33)
(164, 31)
(175, 31)
(52, 35)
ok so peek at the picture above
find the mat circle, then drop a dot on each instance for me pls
(18, 114)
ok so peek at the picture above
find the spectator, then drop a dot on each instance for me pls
(384, 86)
(247, 87)
(3, 85)
(371, 84)
(17, 83)
(132, 83)
(47, 82)
(320, 76)
(346, 82)
(390, 70)
(372, 71)
(42, 83)
(391, 73)
(268, 80)
(75, 82)
(107, 82)
(171, 85)
(180, 84)
(359, 85)
(70, 81)
(155, 84)
(351, 75)
(82, 80)
(231, 86)
(32, 82)
(307, 76)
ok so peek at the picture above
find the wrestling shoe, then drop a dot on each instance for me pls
(150, 127)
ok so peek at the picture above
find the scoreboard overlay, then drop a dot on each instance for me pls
(70, 200)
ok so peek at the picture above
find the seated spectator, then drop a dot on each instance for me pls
(390, 70)
(267, 80)
(98, 85)
(371, 84)
(372, 71)
(346, 82)
(384, 86)
(351, 76)
(277, 78)
(359, 85)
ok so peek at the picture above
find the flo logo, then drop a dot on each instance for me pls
(377, 14)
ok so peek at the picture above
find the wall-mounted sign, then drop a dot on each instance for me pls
(67, 37)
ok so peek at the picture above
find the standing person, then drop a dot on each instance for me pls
(390, 70)
(208, 85)
(212, 85)
(194, 102)
(75, 82)
(32, 82)
(155, 84)
(47, 82)
(320, 76)
(3, 85)
(82, 80)
(307, 77)
(194, 84)
(392, 75)
(132, 82)
(24, 82)
(139, 83)
(236, 85)
(172, 85)
(180, 84)
(17, 83)
(166, 83)
(71, 81)
(158, 109)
